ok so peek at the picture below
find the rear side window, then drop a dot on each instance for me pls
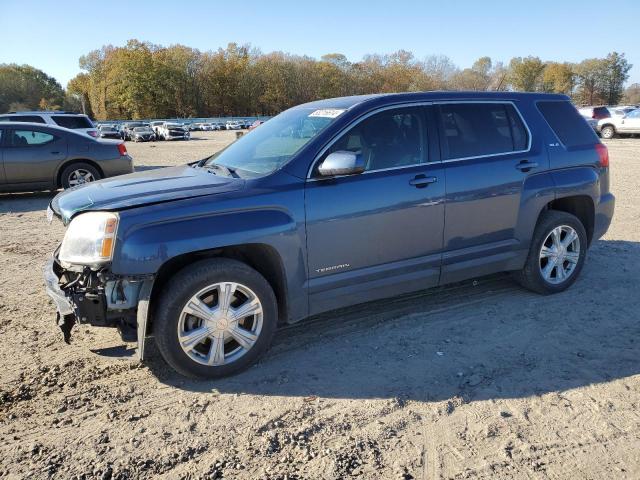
(28, 138)
(23, 118)
(72, 121)
(478, 129)
(567, 124)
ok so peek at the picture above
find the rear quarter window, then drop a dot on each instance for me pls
(72, 121)
(568, 125)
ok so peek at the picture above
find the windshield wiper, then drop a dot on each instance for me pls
(229, 171)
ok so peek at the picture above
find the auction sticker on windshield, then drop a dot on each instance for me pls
(326, 113)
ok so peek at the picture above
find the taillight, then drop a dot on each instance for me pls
(93, 133)
(123, 150)
(603, 153)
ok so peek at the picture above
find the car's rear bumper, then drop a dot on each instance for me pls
(603, 215)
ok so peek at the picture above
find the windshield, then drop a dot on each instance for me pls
(266, 149)
(142, 129)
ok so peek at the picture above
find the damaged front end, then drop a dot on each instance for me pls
(99, 298)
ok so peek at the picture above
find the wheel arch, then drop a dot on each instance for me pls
(261, 257)
(581, 206)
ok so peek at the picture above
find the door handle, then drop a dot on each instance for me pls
(55, 153)
(526, 165)
(421, 181)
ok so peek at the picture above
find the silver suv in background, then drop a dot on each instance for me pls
(628, 123)
(74, 121)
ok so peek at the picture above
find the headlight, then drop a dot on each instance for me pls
(89, 239)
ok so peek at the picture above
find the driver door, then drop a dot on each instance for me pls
(378, 233)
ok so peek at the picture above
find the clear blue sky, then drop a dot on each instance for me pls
(464, 30)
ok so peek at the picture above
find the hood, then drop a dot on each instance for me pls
(142, 188)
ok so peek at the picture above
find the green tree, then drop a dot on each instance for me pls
(616, 73)
(558, 78)
(525, 74)
(23, 87)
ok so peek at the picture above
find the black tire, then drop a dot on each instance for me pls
(608, 132)
(179, 290)
(530, 277)
(67, 175)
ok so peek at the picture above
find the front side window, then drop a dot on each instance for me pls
(634, 114)
(479, 129)
(30, 138)
(389, 139)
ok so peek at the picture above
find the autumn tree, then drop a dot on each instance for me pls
(525, 74)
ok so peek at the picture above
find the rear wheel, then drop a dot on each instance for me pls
(608, 132)
(79, 174)
(214, 318)
(556, 255)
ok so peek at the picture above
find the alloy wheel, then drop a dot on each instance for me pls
(559, 254)
(220, 323)
(80, 177)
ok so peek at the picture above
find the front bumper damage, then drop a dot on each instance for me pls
(99, 298)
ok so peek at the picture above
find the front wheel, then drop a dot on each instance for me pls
(556, 255)
(215, 318)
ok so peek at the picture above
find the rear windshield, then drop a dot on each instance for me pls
(72, 121)
(566, 122)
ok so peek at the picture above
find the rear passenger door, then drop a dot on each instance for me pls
(486, 151)
(32, 155)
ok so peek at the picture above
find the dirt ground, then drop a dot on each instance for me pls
(479, 380)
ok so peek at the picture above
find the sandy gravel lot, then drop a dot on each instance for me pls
(479, 380)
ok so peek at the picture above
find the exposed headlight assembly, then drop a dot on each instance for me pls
(89, 239)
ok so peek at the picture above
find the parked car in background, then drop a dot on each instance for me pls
(596, 113)
(173, 131)
(35, 156)
(256, 124)
(620, 125)
(221, 126)
(195, 127)
(155, 126)
(233, 125)
(109, 132)
(74, 121)
(143, 134)
(289, 221)
(127, 129)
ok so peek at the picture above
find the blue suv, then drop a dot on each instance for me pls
(326, 205)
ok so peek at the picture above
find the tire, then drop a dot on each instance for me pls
(608, 132)
(205, 280)
(78, 173)
(532, 276)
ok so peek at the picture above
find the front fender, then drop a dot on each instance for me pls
(152, 235)
(144, 248)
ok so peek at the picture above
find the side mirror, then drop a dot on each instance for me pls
(341, 163)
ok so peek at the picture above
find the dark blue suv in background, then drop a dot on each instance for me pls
(331, 204)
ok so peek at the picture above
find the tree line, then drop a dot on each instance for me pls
(144, 80)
